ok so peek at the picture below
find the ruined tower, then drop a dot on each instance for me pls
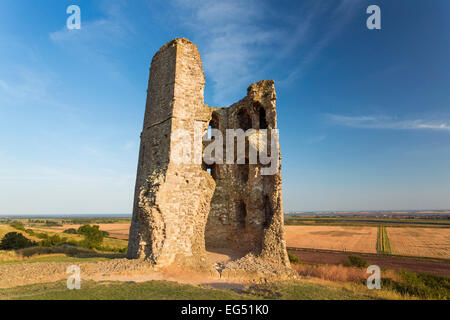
(182, 208)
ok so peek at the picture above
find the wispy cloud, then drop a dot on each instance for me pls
(244, 41)
(315, 139)
(231, 36)
(113, 28)
(341, 14)
(97, 40)
(385, 122)
(25, 85)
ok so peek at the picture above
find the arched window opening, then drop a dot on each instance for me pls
(262, 118)
(244, 120)
(241, 214)
(214, 171)
(268, 213)
(213, 124)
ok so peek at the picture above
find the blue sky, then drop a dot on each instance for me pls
(364, 115)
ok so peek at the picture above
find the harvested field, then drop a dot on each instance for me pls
(116, 230)
(420, 242)
(354, 239)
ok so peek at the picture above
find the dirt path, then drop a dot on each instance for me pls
(432, 266)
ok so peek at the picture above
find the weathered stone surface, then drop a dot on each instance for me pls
(180, 208)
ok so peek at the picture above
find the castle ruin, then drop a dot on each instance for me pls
(183, 209)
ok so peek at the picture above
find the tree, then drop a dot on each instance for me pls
(15, 241)
(93, 236)
(71, 231)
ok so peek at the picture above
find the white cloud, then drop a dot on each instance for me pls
(385, 122)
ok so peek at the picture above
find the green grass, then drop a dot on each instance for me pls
(366, 222)
(62, 253)
(423, 286)
(302, 290)
(383, 245)
(53, 258)
(90, 290)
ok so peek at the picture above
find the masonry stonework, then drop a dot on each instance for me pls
(181, 209)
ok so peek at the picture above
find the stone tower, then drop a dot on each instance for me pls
(183, 208)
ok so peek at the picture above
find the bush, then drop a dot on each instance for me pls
(52, 241)
(354, 261)
(71, 231)
(93, 236)
(15, 241)
(41, 235)
(30, 232)
(293, 258)
(17, 225)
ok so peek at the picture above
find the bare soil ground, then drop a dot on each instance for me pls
(432, 266)
(21, 274)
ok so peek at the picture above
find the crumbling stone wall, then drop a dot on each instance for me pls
(246, 209)
(179, 208)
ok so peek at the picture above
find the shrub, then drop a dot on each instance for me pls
(354, 261)
(52, 241)
(93, 236)
(41, 235)
(17, 225)
(293, 258)
(30, 232)
(15, 241)
(71, 231)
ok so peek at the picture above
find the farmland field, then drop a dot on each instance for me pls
(115, 230)
(416, 241)
(355, 239)
(421, 242)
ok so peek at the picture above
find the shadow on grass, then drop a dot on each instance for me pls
(69, 250)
